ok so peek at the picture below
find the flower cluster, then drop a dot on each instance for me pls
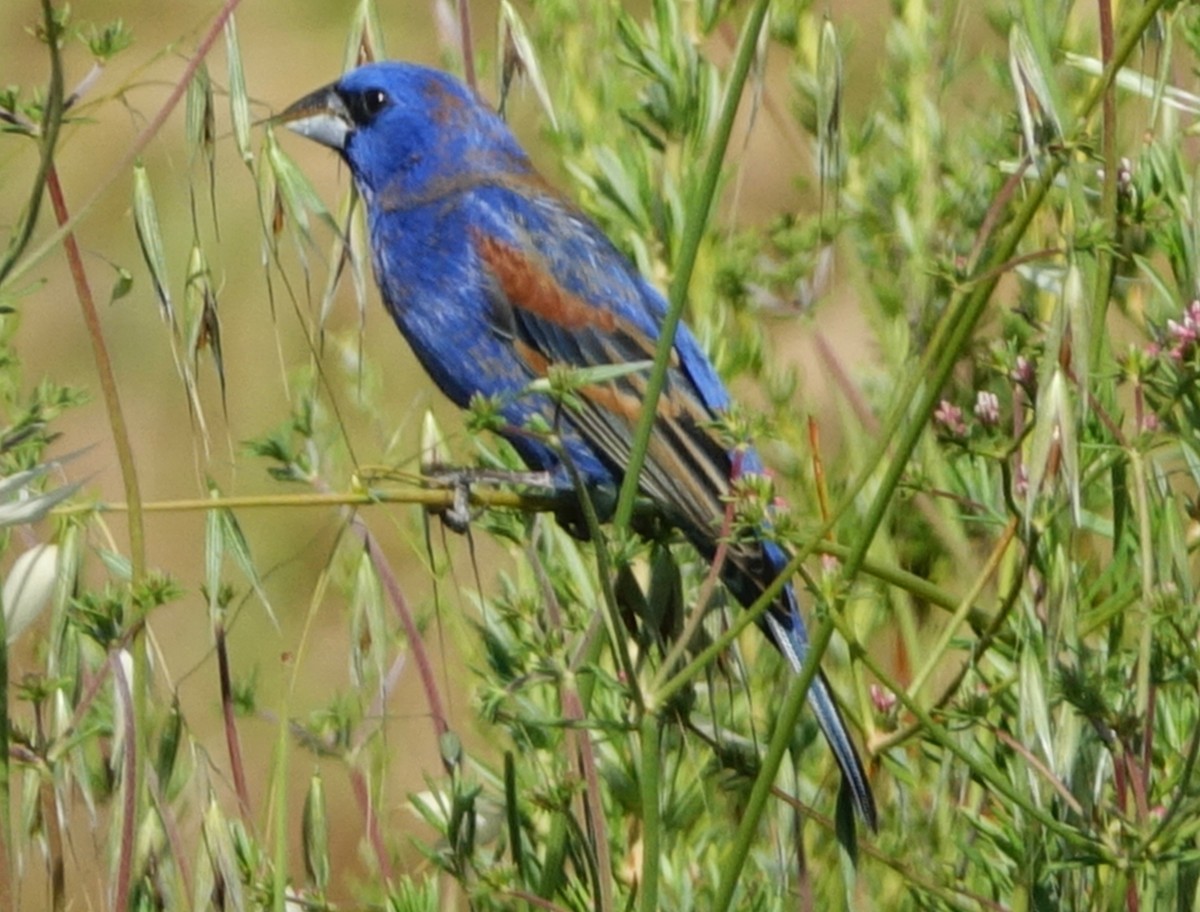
(987, 408)
(950, 417)
(950, 420)
(1182, 335)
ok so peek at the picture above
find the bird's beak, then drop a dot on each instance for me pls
(321, 116)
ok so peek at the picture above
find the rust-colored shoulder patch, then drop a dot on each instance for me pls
(530, 288)
(443, 103)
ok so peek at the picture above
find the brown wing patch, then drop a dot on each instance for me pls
(538, 363)
(613, 401)
(528, 288)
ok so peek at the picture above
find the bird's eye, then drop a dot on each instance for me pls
(365, 106)
(374, 101)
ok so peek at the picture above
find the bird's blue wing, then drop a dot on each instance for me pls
(565, 296)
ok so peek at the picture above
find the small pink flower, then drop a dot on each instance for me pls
(1023, 372)
(1021, 482)
(1182, 335)
(884, 700)
(950, 417)
(987, 408)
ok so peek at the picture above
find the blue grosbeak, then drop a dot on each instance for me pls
(493, 278)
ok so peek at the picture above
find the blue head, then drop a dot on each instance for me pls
(401, 127)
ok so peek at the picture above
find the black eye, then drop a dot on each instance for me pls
(365, 106)
(374, 101)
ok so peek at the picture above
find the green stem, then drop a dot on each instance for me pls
(1105, 260)
(892, 576)
(52, 114)
(693, 232)
(1141, 498)
(584, 684)
(988, 774)
(279, 806)
(7, 834)
(781, 738)
(934, 656)
(431, 498)
(612, 613)
(651, 818)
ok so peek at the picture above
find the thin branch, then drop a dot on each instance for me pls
(136, 147)
(416, 643)
(232, 742)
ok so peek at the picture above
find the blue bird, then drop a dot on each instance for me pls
(494, 278)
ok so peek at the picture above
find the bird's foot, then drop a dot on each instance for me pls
(459, 515)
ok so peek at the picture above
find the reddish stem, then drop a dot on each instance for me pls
(468, 45)
(362, 794)
(415, 642)
(232, 741)
(358, 779)
(573, 711)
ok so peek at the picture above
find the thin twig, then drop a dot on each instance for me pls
(592, 795)
(149, 132)
(358, 778)
(416, 643)
(468, 45)
(232, 742)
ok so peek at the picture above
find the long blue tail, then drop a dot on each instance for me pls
(788, 633)
(747, 573)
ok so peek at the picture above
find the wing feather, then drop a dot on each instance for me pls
(558, 316)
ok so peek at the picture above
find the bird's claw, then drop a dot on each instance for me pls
(459, 514)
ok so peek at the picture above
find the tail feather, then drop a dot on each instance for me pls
(747, 572)
(792, 640)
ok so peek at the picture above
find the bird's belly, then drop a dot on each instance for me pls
(466, 358)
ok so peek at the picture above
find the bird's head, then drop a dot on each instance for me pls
(401, 127)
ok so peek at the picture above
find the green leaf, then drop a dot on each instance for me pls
(239, 103)
(150, 239)
(520, 55)
(576, 377)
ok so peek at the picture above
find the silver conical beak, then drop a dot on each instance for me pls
(321, 116)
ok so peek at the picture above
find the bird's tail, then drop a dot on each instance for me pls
(785, 626)
(789, 635)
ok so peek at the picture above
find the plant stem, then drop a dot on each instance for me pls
(149, 132)
(781, 738)
(1105, 260)
(701, 200)
(651, 818)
